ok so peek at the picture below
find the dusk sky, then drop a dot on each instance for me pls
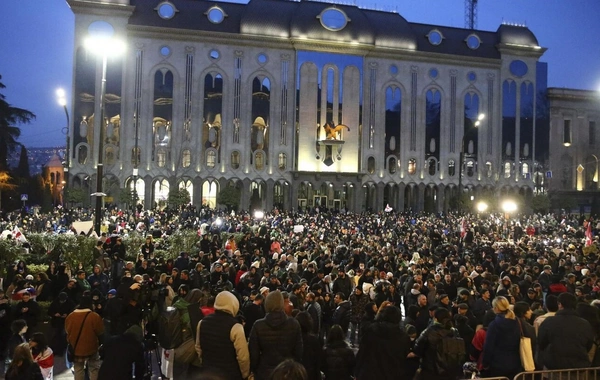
(37, 47)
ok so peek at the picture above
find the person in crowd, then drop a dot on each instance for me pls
(220, 341)
(22, 366)
(358, 301)
(42, 354)
(5, 333)
(338, 359)
(384, 348)
(314, 310)
(565, 339)
(58, 311)
(502, 340)
(120, 353)
(43, 287)
(342, 315)
(84, 329)
(289, 370)
(427, 346)
(592, 314)
(28, 310)
(523, 314)
(312, 356)
(99, 280)
(18, 328)
(478, 341)
(253, 311)
(274, 338)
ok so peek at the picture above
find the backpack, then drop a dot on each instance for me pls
(170, 333)
(451, 354)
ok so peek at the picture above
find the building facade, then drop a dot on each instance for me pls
(302, 104)
(575, 145)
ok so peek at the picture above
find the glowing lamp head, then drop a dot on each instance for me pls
(482, 206)
(509, 206)
(258, 214)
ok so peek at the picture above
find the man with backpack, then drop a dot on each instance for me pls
(440, 348)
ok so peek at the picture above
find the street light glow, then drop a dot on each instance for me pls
(482, 206)
(105, 46)
(258, 214)
(481, 116)
(509, 206)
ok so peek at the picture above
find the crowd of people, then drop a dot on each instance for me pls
(310, 294)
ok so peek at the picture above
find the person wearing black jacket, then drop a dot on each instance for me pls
(565, 339)
(58, 311)
(312, 356)
(343, 312)
(383, 348)
(426, 347)
(119, 352)
(29, 310)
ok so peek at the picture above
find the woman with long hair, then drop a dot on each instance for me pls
(42, 354)
(43, 287)
(501, 349)
(338, 358)
(22, 366)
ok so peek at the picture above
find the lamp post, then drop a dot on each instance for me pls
(102, 46)
(62, 100)
(461, 158)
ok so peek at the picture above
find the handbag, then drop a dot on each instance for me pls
(186, 353)
(71, 349)
(525, 351)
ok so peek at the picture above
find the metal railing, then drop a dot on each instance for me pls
(561, 374)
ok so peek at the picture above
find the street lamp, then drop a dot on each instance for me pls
(461, 158)
(482, 206)
(62, 101)
(103, 46)
(509, 206)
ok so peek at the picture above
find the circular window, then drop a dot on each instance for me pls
(165, 51)
(214, 54)
(518, 68)
(166, 10)
(393, 69)
(262, 58)
(435, 37)
(433, 73)
(333, 19)
(215, 15)
(101, 29)
(471, 77)
(473, 42)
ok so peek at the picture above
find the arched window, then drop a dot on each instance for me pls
(392, 165)
(470, 168)
(209, 194)
(412, 166)
(161, 158)
(488, 169)
(451, 168)
(507, 169)
(259, 161)
(235, 160)
(161, 191)
(431, 166)
(211, 158)
(189, 186)
(525, 170)
(82, 154)
(371, 165)
(109, 155)
(282, 161)
(186, 158)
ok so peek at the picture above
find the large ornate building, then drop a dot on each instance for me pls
(302, 104)
(575, 143)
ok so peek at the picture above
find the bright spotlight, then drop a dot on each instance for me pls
(509, 206)
(219, 221)
(481, 116)
(482, 206)
(259, 214)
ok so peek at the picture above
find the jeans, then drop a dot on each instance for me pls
(93, 365)
(353, 327)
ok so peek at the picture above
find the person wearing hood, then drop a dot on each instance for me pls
(220, 340)
(183, 306)
(501, 348)
(384, 348)
(274, 338)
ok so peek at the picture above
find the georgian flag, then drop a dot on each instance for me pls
(463, 228)
(588, 235)
(17, 235)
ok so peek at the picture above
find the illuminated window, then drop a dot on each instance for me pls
(392, 165)
(488, 169)
(567, 137)
(470, 168)
(186, 158)
(431, 166)
(412, 166)
(211, 158)
(259, 161)
(161, 158)
(507, 169)
(371, 165)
